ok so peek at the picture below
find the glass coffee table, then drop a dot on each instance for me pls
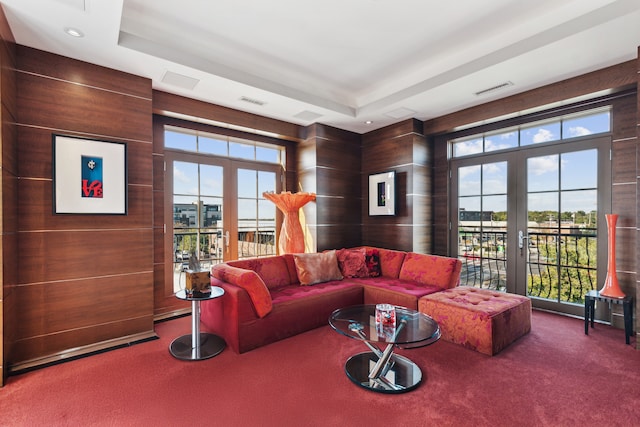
(382, 370)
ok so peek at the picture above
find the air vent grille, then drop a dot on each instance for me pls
(252, 100)
(494, 88)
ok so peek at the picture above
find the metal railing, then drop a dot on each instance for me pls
(561, 263)
(562, 267)
(484, 259)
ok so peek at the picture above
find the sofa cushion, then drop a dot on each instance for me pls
(249, 281)
(404, 293)
(317, 267)
(273, 270)
(293, 292)
(352, 262)
(391, 262)
(434, 270)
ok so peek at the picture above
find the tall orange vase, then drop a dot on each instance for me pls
(611, 286)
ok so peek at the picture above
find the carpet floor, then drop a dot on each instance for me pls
(554, 376)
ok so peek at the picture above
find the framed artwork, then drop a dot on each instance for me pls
(89, 176)
(382, 193)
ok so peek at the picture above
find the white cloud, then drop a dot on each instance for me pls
(468, 147)
(468, 170)
(543, 135)
(579, 131)
(180, 176)
(541, 165)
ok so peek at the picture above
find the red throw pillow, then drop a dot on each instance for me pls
(372, 261)
(352, 262)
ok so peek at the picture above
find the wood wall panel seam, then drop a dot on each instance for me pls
(85, 134)
(150, 99)
(82, 279)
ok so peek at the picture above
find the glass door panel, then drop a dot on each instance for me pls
(197, 216)
(561, 240)
(256, 223)
(482, 224)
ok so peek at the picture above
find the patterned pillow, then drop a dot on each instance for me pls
(372, 261)
(352, 262)
(317, 267)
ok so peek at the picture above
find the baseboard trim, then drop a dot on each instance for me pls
(80, 352)
(172, 315)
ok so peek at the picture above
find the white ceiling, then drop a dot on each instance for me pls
(338, 62)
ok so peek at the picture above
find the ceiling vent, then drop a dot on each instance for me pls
(494, 88)
(77, 4)
(400, 113)
(179, 80)
(252, 100)
(307, 115)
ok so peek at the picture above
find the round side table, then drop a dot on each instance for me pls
(197, 345)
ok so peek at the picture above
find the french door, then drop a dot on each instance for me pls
(527, 221)
(218, 212)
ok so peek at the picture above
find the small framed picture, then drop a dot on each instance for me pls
(382, 193)
(89, 176)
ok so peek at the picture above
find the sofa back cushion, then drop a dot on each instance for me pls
(273, 270)
(391, 262)
(434, 270)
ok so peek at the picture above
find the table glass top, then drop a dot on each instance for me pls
(359, 322)
(200, 296)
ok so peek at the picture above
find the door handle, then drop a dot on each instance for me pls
(521, 239)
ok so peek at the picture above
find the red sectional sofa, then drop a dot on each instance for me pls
(272, 298)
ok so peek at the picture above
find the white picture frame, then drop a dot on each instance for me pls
(382, 193)
(102, 193)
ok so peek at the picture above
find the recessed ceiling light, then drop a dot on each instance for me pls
(368, 122)
(73, 32)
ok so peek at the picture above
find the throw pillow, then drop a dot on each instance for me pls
(317, 267)
(352, 262)
(372, 260)
(249, 281)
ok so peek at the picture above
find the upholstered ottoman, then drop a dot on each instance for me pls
(479, 319)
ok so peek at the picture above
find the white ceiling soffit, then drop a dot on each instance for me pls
(343, 63)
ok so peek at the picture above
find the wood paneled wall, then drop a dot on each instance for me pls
(84, 282)
(329, 165)
(8, 196)
(401, 147)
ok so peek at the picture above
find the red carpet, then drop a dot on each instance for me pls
(554, 376)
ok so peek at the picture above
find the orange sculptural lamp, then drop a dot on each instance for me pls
(611, 286)
(291, 235)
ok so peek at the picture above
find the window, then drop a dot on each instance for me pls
(557, 129)
(222, 145)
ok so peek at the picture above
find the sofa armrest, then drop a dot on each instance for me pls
(249, 281)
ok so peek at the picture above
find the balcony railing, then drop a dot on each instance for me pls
(561, 263)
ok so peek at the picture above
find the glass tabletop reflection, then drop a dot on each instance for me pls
(359, 322)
